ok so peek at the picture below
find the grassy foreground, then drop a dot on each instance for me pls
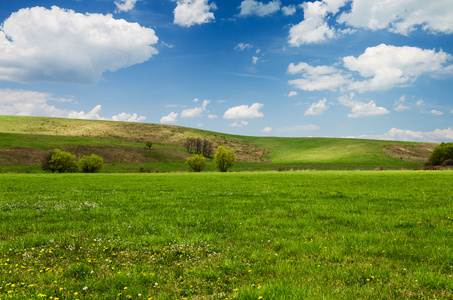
(289, 235)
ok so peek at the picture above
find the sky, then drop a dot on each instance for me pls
(374, 69)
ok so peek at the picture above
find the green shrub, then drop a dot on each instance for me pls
(149, 144)
(224, 158)
(196, 163)
(91, 164)
(59, 161)
(441, 153)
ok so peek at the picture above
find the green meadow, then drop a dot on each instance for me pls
(246, 235)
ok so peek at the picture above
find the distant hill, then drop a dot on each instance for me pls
(25, 140)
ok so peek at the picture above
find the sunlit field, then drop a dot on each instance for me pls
(269, 235)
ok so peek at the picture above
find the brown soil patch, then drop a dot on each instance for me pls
(110, 154)
(407, 152)
(21, 155)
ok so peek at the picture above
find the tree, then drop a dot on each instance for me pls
(149, 144)
(196, 163)
(224, 158)
(441, 153)
(91, 164)
(60, 161)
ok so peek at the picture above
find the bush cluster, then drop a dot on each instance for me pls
(440, 154)
(64, 162)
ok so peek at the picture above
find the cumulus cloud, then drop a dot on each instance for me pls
(378, 68)
(255, 60)
(317, 78)
(389, 66)
(239, 124)
(30, 103)
(299, 128)
(401, 17)
(244, 112)
(289, 10)
(59, 45)
(313, 29)
(212, 117)
(193, 12)
(128, 117)
(362, 109)
(170, 118)
(252, 7)
(267, 129)
(317, 108)
(125, 5)
(292, 94)
(436, 136)
(195, 112)
(242, 47)
(436, 112)
(399, 104)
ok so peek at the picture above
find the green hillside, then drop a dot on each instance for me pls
(25, 140)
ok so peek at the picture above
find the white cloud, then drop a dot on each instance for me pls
(255, 60)
(399, 106)
(315, 28)
(212, 117)
(128, 117)
(267, 129)
(299, 128)
(390, 66)
(196, 100)
(402, 16)
(125, 5)
(289, 10)
(436, 136)
(317, 78)
(420, 102)
(436, 112)
(191, 12)
(362, 109)
(252, 7)
(317, 108)
(59, 45)
(244, 112)
(292, 94)
(239, 124)
(30, 103)
(170, 118)
(195, 112)
(242, 47)
(378, 68)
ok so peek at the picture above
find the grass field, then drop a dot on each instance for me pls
(268, 235)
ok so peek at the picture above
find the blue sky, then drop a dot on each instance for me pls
(333, 68)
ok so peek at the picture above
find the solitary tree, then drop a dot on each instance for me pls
(196, 163)
(224, 158)
(60, 161)
(149, 144)
(441, 153)
(91, 164)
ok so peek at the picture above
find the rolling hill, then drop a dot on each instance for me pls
(25, 140)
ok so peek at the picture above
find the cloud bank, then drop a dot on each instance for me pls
(59, 45)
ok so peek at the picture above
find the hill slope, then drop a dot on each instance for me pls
(25, 140)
